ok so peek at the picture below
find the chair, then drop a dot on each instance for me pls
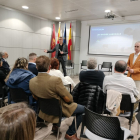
(107, 65)
(70, 67)
(84, 63)
(18, 95)
(52, 107)
(102, 127)
(69, 87)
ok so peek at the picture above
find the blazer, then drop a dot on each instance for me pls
(6, 66)
(47, 87)
(94, 77)
(32, 68)
(135, 67)
(56, 48)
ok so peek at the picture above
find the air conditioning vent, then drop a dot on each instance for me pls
(133, 0)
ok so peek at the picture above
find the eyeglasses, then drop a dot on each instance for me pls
(60, 39)
(136, 46)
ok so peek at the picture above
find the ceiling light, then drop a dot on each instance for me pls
(57, 17)
(107, 11)
(25, 7)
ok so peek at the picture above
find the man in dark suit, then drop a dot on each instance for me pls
(91, 75)
(61, 53)
(32, 63)
(5, 64)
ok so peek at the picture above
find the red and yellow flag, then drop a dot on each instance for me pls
(58, 34)
(53, 41)
(69, 45)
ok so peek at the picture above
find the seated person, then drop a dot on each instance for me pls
(56, 72)
(91, 75)
(119, 82)
(5, 65)
(2, 74)
(32, 64)
(46, 86)
(18, 122)
(20, 76)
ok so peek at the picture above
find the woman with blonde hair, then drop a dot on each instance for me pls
(55, 72)
(20, 76)
(17, 122)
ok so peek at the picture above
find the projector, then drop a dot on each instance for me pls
(110, 16)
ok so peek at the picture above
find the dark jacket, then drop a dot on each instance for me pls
(94, 77)
(6, 66)
(32, 68)
(2, 78)
(90, 96)
(19, 78)
(56, 48)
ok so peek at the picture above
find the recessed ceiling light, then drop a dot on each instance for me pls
(107, 11)
(25, 7)
(57, 17)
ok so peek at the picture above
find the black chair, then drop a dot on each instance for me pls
(52, 107)
(107, 65)
(84, 63)
(69, 87)
(70, 66)
(102, 126)
(18, 95)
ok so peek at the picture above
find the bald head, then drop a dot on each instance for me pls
(120, 66)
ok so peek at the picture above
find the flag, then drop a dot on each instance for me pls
(53, 41)
(64, 39)
(69, 45)
(58, 34)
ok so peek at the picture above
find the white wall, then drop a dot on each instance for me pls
(21, 34)
(85, 36)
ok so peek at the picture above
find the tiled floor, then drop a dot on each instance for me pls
(46, 134)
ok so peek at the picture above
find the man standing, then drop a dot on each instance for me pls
(61, 53)
(5, 65)
(133, 65)
(32, 63)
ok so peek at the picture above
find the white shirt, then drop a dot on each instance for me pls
(135, 57)
(122, 84)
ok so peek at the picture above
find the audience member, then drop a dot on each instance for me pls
(5, 65)
(2, 74)
(32, 63)
(20, 76)
(134, 65)
(91, 75)
(56, 72)
(119, 82)
(46, 86)
(17, 122)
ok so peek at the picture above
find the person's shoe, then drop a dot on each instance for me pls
(55, 128)
(73, 137)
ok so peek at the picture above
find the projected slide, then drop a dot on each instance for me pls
(114, 39)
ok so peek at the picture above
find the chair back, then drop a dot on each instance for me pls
(69, 63)
(103, 126)
(107, 65)
(18, 95)
(51, 107)
(84, 63)
(126, 103)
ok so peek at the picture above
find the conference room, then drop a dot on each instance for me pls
(69, 69)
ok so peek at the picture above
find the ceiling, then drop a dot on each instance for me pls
(87, 9)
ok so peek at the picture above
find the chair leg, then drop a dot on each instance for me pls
(75, 124)
(57, 134)
(130, 125)
(138, 129)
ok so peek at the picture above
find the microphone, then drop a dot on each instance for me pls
(59, 50)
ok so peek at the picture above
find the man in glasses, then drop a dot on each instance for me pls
(133, 65)
(61, 53)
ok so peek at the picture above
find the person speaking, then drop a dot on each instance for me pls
(61, 53)
(133, 66)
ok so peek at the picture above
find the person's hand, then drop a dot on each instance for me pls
(45, 51)
(61, 52)
(131, 70)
